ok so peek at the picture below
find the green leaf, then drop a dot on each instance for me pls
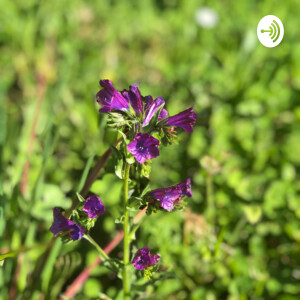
(146, 190)
(119, 168)
(80, 198)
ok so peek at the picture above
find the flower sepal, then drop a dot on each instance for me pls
(168, 136)
(81, 218)
(152, 205)
(146, 168)
(118, 120)
(130, 159)
(87, 222)
(148, 272)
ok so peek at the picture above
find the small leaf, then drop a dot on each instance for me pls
(119, 168)
(80, 198)
(88, 223)
(145, 190)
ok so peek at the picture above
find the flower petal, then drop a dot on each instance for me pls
(151, 107)
(144, 147)
(167, 196)
(93, 207)
(144, 259)
(135, 98)
(186, 120)
(61, 223)
(110, 99)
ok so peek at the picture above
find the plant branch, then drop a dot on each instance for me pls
(126, 241)
(77, 284)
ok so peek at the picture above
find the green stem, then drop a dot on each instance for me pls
(103, 255)
(126, 240)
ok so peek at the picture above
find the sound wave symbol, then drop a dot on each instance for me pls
(274, 31)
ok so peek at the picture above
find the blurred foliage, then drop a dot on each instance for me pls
(53, 54)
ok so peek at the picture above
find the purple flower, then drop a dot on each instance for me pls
(133, 96)
(167, 196)
(144, 259)
(144, 147)
(110, 99)
(61, 223)
(186, 120)
(151, 107)
(93, 207)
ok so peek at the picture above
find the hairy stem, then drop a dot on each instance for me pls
(103, 255)
(126, 241)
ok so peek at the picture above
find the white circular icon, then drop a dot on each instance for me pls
(270, 31)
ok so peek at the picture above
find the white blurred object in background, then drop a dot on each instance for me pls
(206, 17)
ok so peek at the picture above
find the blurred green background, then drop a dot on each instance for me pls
(240, 236)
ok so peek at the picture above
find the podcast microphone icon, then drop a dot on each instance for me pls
(273, 26)
(274, 31)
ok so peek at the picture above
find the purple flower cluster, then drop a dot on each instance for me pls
(169, 196)
(143, 259)
(143, 146)
(142, 116)
(61, 223)
(112, 100)
(93, 207)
